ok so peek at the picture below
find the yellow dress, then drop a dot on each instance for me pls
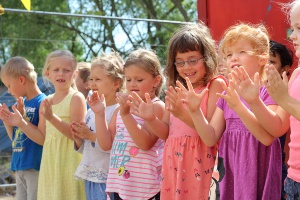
(59, 161)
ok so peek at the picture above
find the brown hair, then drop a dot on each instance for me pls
(192, 37)
(148, 61)
(84, 69)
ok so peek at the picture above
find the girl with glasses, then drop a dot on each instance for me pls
(187, 161)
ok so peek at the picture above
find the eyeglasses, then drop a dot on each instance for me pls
(191, 62)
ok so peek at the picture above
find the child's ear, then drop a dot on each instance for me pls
(86, 85)
(117, 84)
(75, 75)
(157, 80)
(286, 69)
(22, 79)
(47, 73)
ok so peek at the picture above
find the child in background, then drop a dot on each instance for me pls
(19, 77)
(288, 97)
(247, 119)
(107, 79)
(187, 161)
(66, 105)
(282, 59)
(82, 79)
(136, 153)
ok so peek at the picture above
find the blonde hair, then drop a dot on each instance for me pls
(256, 34)
(84, 69)
(191, 37)
(60, 54)
(288, 8)
(112, 63)
(148, 61)
(19, 66)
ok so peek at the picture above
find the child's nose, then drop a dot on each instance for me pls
(234, 57)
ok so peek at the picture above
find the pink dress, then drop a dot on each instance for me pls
(294, 161)
(187, 161)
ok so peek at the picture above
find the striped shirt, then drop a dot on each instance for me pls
(134, 173)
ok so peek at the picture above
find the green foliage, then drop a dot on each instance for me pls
(34, 36)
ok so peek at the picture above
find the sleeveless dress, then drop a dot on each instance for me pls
(187, 161)
(252, 170)
(294, 161)
(59, 160)
(134, 174)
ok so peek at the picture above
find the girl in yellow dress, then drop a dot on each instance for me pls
(59, 160)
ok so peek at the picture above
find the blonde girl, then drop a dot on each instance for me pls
(187, 160)
(106, 79)
(248, 120)
(59, 160)
(136, 153)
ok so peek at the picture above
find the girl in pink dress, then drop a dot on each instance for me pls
(187, 160)
(287, 95)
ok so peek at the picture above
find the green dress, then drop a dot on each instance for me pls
(59, 161)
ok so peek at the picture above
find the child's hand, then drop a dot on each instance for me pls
(124, 107)
(231, 97)
(46, 107)
(174, 97)
(276, 86)
(21, 106)
(192, 100)
(244, 86)
(96, 103)
(144, 110)
(76, 138)
(81, 130)
(3, 109)
(12, 119)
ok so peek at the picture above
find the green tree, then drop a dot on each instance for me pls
(34, 36)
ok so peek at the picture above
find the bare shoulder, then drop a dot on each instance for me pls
(216, 84)
(159, 104)
(78, 96)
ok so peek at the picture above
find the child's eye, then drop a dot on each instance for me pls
(228, 55)
(242, 51)
(128, 80)
(140, 80)
(271, 62)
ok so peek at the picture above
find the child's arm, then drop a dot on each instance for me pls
(215, 87)
(144, 139)
(77, 140)
(35, 133)
(278, 90)
(4, 110)
(104, 133)
(146, 111)
(212, 132)
(77, 114)
(209, 133)
(272, 118)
